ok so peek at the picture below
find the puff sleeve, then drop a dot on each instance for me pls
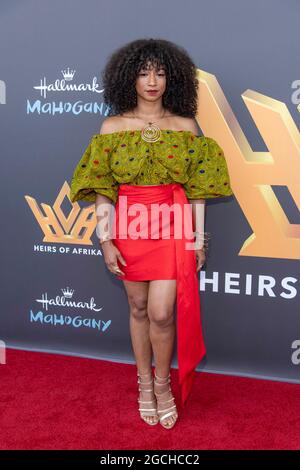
(208, 175)
(93, 174)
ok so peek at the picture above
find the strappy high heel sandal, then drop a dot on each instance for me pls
(144, 412)
(164, 412)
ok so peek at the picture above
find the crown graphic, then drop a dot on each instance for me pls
(77, 227)
(68, 293)
(68, 74)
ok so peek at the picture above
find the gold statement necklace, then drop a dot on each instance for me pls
(151, 132)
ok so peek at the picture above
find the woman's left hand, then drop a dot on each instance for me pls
(200, 258)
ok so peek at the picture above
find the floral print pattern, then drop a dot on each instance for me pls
(196, 162)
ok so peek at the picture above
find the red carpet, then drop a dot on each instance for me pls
(52, 401)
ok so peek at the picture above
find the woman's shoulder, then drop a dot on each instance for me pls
(109, 130)
(119, 126)
(111, 124)
(120, 122)
(111, 127)
(187, 124)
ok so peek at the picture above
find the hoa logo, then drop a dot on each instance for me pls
(76, 227)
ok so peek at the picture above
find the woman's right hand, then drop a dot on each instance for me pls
(111, 256)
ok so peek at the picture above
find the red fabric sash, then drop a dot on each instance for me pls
(190, 342)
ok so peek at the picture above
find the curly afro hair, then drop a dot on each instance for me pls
(123, 66)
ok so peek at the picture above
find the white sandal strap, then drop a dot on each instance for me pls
(160, 394)
(147, 409)
(165, 401)
(145, 401)
(166, 409)
(171, 413)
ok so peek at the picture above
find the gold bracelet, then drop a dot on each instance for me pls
(204, 239)
(206, 235)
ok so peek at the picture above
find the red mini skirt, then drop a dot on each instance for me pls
(155, 247)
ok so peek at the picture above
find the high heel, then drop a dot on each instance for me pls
(170, 410)
(145, 412)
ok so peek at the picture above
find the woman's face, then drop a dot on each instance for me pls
(151, 79)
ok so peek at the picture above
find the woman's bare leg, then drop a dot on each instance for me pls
(161, 302)
(137, 293)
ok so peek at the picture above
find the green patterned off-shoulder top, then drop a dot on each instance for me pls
(196, 162)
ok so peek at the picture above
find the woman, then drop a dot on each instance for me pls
(148, 152)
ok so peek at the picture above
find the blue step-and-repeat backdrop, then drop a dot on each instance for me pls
(56, 293)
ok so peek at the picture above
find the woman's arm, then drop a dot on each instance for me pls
(105, 214)
(105, 211)
(198, 211)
